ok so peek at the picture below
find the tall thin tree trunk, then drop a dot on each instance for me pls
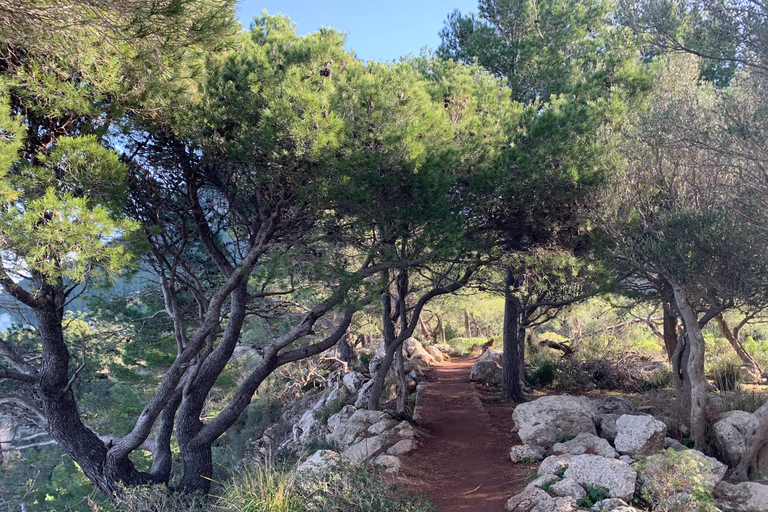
(670, 330)
(467, 326)
(695, 366)
(345, 350)
(733, 339)
(514, 339)
(402, 384)
(440, 329)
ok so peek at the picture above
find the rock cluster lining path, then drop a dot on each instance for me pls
(464, 462)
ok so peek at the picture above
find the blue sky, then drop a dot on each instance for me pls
(376, 30)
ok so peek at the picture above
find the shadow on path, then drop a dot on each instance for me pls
(464, 464)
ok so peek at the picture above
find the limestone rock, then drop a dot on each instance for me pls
(542, 480)
(362, 395)
(319, 460)
(674, 444)
(527, 452)
(728, 433)
(390, 462)
(560, 504)
(567, 487)
(618, 477)
(309, 427)
(353, 381)
(382, 426)
(526, 500)
(402, 447)
(420, 359)
(586, 443)
(544, 420)
(553, 464)
(349, 430)
(610, 504)
(606, 426)
(639, 435)
(487, 369)
(743, 497)
(626, 458)
(364, 449)
(435, 352)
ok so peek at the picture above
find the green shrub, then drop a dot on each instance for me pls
(595, 493)
(740, 400)
(156, 498)
(543, 374)
(727, 375)
(342, 488)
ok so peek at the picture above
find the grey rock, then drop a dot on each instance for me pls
(559, 504)
(353, 381)
(567, 487)
(610, 504)
(435, 352)
(390, 462)
(364, 449)
(527, 451)
(363, 394)
(319, 460)
(606, 426)
(618, 477)
(402, 447)
(544, 420)
(639, 435)
(486, 372)
(382, 426)
(526, 500)
(743, 497)
(728, 434)
(674, 444)
(542, 480)
(586, 443)
(554, 464)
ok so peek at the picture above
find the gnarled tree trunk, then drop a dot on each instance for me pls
(514, 346)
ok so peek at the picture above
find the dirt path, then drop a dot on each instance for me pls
(464, 464)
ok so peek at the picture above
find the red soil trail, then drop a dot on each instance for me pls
(463, 465)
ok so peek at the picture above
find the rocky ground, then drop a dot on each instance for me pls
(467, 450)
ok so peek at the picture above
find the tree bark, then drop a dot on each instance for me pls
(467, 327)
(345, 350)
(402, 384)
(670, 330)
(733, 339)
(440, 329)
(695, 367)
(514, 345)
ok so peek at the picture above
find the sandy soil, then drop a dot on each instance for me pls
(464, 463)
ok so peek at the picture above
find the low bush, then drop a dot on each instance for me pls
(342, 488)
(727, 375)
(674, 481)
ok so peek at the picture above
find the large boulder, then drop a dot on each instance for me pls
(639, 435)
(549, 418)
(558, 504)
(728, 434)
(616, 476)
(435, 352)
(668, 475)
(743, 497)
(586, 443)
(487, 369)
